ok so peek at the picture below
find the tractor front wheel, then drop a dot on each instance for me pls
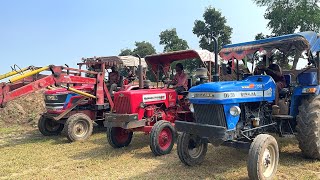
(263, 157)
(191, 149)
(119, 137)
(162, 138)
(308, 127)
(78, 127)
(49, 127)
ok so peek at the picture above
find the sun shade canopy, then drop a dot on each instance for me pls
(165, 59)
(302, 41)
(129, 61)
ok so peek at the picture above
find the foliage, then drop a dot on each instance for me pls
(171, 41)
(143, 49)
(125, 52)
(214, 24)
(288, 16)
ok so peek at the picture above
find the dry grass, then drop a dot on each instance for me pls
(26, 154)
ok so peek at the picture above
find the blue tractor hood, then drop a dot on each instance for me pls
(251, 89)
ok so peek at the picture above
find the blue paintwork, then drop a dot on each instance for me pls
(296, 97)
(231, 120)
(70, 95)
(265, 83)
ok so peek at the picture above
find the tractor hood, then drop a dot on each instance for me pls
(251, 89)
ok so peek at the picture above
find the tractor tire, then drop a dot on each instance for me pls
(263, 158)
(162, 138)
(118, 137)
(78, 127)
(308, 127)
(49, 127)
(191, 150)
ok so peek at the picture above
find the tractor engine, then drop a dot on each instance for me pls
(154, 113)
(255, 114)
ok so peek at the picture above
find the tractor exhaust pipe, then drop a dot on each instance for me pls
(140, 73)
(216, 66)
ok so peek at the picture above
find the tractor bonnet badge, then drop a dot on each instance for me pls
(121, 94)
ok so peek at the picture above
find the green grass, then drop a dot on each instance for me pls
(29, 155)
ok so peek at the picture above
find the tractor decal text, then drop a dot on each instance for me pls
(154, 97)
(231, 95)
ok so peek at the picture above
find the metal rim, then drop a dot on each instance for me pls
(121, 135)
(81, 128)
(195, 148)
(268, 161)
(51, 125)
(165, 138)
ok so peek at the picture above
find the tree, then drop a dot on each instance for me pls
(171, 41)
(125, 52)
(287, 16)
(214, 24)
(143, 49)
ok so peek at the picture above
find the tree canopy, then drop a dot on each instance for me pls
(287, 16)
(171, 41)
(214, 24)
(125, 52)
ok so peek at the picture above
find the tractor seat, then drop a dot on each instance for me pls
(183, 93)
(284, 91)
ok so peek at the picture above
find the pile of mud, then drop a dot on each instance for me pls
(25, 110)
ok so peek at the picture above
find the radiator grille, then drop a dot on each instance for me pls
(212, 114)
(122, 105)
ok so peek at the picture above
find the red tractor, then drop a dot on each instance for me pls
(76, 101)
(153, 110)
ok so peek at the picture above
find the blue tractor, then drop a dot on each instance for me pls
(242, 113)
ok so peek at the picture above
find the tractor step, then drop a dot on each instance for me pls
(282, 117)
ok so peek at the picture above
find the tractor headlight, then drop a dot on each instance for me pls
(191, 95)
(235, 111)
(142, 105)
(191, 108)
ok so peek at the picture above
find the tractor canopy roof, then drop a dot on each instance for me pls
(128, 61)
(308, 40)
(165, 59)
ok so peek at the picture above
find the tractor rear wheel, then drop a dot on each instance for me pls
(78, 127)
(162, 138)
(191, 149)
(308, 127)
(49, 127)
(119, 137)
(263, 157)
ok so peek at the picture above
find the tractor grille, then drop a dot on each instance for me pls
(122, 105)
(211, 114)
(55, 101)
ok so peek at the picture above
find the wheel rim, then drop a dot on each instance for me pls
(121, 135)
(195, 148)
(269, 161)
(165, 138)
(81, 128)
(52, 126)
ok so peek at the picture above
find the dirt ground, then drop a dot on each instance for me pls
(26, 154)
